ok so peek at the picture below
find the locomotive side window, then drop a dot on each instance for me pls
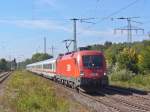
(92, 61)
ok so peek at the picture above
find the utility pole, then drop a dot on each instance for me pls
(10, 62)
(129, 28)
(52, 50)
(75, 30)
(75, 33)
(45, 45)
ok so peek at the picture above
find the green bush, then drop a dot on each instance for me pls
(143, 80)
(122, 75)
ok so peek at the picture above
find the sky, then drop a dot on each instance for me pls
(24, 24)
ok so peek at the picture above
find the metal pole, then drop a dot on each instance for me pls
(52, 51)
(44, 45)
(129, 31)
(75, 34)
(10, 62)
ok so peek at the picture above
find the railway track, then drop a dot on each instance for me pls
(138, 94)
(109, 103)
(130, 101)
(114, 103)
(117, 103)
(4, 76)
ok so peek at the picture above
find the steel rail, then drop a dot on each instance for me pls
(4, 76)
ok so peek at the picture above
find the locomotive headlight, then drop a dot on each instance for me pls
(105, 73)
(81, 73)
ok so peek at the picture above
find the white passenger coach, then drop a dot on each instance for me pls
(46, 68)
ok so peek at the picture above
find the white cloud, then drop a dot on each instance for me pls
(90, 32)
(38, 24)
(51, 3)
(96, 33)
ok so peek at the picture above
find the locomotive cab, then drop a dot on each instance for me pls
(92, 69)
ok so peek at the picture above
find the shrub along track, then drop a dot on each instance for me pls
(111, 99)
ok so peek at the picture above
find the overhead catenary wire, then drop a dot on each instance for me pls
(115, 13)
(120, 10)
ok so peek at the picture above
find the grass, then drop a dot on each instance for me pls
(28, 93)
(141, 82)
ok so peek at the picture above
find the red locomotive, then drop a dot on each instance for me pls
(82, 69)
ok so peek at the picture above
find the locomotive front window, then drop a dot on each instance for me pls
(92, 61)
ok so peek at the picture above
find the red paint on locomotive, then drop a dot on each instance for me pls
(86, 64)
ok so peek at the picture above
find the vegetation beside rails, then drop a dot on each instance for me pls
(125, 78)
(28, 93)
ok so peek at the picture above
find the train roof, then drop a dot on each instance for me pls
(43, 62)
(80, 52)
(92, 51)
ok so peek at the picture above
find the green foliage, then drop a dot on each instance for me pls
(128, 59)
(3, 65)
(122, 75)
(110, 54)
(143, 80)
(13, 64)
(96, 47)
(137, 82)
(40, 57)
(108, 44)
(144, 59)
(28, 93)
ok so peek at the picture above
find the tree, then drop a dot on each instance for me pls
(112, 52)
(128, 59)
(107, 44)
(144, 60)
(3, 65)
(40, 57)
(13, 64)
